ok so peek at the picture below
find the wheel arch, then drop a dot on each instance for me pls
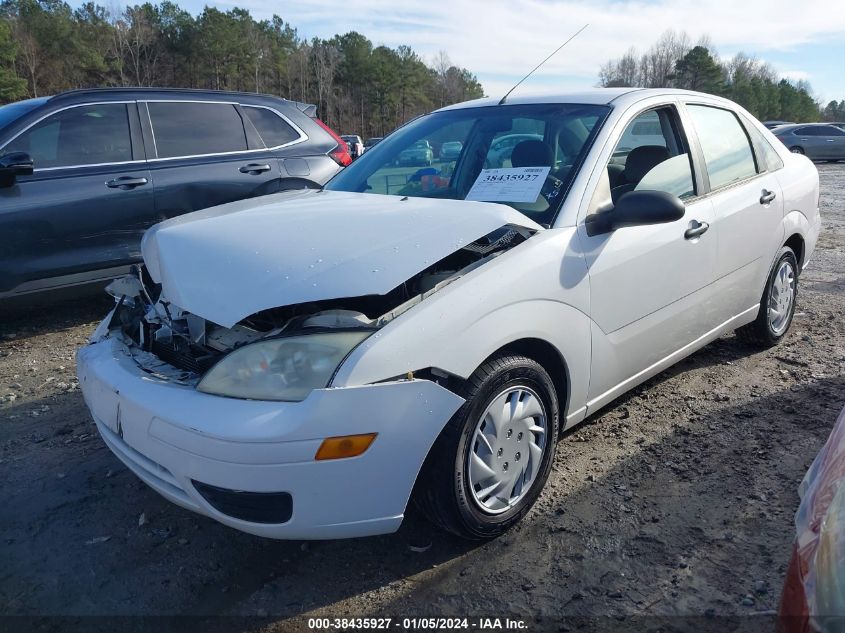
(546, 355)
(550, 359)
(796, 243)
(797, 235)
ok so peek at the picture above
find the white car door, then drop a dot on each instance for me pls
(648, 284)
(748, 205)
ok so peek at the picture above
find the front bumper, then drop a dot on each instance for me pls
(171, 435)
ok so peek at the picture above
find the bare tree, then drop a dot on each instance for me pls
(136, 38)
(652, 69)
(258, 51)
(441, 66)
(326, 60)
(29, 54)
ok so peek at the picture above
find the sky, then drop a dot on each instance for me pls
(500, 40)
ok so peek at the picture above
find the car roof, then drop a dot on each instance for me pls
(108, 94)
(595, 96)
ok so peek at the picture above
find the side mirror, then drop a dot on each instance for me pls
(637, 208)
(14, 165)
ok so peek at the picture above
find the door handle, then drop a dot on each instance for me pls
(697, 230)
(767, 196)
(254, 169)
(126, 182)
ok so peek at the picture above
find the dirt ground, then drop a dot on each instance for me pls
(677, 499)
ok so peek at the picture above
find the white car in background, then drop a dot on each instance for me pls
(354, 143)
(301, 365)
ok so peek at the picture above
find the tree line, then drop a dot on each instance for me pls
(674, 62)
(47, 47)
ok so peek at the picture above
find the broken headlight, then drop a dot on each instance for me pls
(281, 369)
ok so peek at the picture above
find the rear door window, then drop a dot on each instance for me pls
(830, 130)
(82, 135)
(196, 129)
(771, 159)
(727, 150)
(272, 128)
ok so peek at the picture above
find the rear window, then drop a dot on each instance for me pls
(272, 128)
(727, 150)
(196, 129)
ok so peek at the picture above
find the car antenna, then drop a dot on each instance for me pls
(574, 35)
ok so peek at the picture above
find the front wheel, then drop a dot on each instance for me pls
(490, 463)
(777, 306)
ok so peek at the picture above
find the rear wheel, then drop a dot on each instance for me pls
(796, 149)
(777, 305)
(493, 458)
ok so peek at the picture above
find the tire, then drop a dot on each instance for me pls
(795, 149)
(445, 491)
(766, 331)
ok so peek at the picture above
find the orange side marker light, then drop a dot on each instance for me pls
(344, 446)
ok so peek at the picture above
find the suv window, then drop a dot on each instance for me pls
(81, 135)
(651, 155)
(726, 147)
(272, 128)
(196, 129)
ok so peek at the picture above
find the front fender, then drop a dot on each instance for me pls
(460, 351)
(538, 291)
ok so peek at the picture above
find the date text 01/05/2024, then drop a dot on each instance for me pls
(417, 624)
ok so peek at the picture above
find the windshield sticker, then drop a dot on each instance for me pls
(508, 184)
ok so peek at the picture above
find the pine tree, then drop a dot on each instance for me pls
(697, 70)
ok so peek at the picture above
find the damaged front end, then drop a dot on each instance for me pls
(282, 353)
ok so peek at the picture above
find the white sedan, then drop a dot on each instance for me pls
(302, 365)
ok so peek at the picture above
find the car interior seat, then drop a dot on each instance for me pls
(532, 154)
(639, 162)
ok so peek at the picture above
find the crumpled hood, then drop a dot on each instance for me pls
(231, 261)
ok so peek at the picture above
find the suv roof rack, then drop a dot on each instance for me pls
(307, 108)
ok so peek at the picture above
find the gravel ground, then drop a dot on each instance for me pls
(677, 499)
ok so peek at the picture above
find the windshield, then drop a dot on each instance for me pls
(525, 156)
(13, 111)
